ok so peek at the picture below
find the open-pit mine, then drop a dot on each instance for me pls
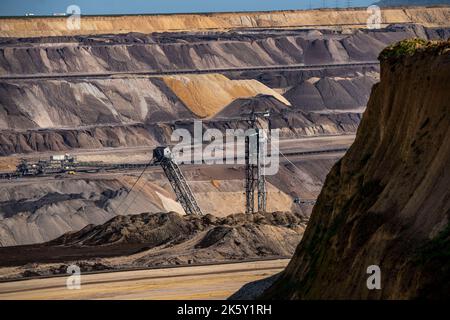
(82, 113)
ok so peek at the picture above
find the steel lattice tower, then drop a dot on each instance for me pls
(251, 177)
(254, 162)
(262, 195)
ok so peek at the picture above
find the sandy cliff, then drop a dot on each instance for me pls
(386, 202)
(44, 26)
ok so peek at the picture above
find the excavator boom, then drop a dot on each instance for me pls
(183, 192)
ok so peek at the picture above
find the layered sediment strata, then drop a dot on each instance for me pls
(45, 26)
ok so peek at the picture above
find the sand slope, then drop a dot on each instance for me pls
(37, 212)
(206, 95)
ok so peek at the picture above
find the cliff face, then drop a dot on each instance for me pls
(44, 26)
(387, 202)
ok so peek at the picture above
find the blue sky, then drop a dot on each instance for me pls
(48, 7)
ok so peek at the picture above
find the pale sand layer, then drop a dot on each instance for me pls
(203, 282)
(205, 95)
(46, 26)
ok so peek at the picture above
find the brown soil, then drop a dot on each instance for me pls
(166, 239)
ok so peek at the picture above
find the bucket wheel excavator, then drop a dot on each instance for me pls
(164, 157)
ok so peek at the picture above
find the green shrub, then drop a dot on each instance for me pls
(402, 48)
(411, 46)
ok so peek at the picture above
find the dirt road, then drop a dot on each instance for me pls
(196, 282)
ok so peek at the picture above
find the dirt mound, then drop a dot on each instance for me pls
(332, 93)
(386, 203)
(235, 237)
(152, 229)
(155, 229)
(164, 239)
